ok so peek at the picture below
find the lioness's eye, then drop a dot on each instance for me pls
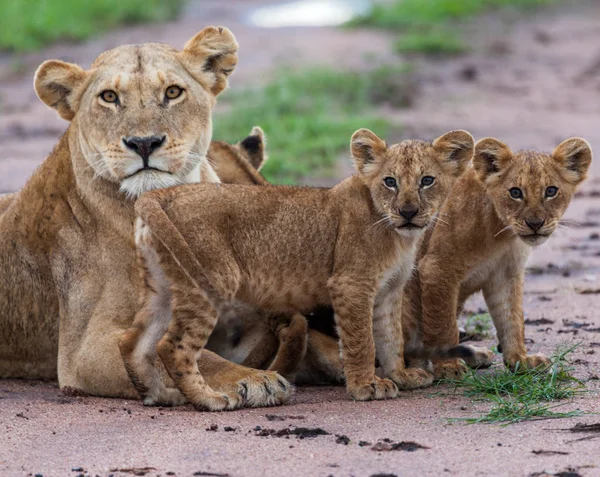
(551, 191)
(173, 92)
(516, 193)
(389, 182)
(427, 181)
(109, 96)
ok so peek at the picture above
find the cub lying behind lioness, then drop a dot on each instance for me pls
(288, 250)
(495, 213)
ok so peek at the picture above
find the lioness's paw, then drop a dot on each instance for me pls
(377, 389)
(531, 361)
(210, 400)
(482, 357)
(412, 378)
(167, 397)
(265, 388)
(450, 369)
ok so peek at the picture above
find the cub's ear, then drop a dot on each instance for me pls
(368, 150)
(59, 85)
(574, 155)
(491, 156)
(210, 57)
(254, 146)
(456, 149)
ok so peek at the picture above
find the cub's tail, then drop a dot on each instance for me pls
(149, 210)
(436, 353)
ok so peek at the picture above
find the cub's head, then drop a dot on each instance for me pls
(531, 190)
(239, 163)
(410, 181)
(141, 116)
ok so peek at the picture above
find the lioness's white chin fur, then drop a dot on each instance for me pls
(145, 181)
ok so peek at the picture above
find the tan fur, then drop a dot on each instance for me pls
(348, 247)
(68, 275)
(482, 242)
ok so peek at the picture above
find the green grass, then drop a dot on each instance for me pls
(479, 325)
(310, 115)
(30, 24)
(525, 394)
(432, 26)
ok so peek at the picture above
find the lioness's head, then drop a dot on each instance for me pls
(531, 190)
(142, 114)
(409, 181)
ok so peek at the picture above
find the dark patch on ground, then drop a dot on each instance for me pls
(211, 474)
(134, 470)
(277, 417)
(386, 445)
(539, 321)
(342, 439)
(548, 452)
(300, 432)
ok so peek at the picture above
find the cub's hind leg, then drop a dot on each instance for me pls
(293, 337)
(138, 344)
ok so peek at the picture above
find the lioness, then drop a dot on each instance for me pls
(495, 213)
(140, 120)
(351, 247)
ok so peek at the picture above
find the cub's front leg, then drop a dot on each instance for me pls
(504, 298)
(440, 288)
(353, 302)
(389, 341)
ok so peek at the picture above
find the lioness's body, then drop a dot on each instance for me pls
(482, 243)
(289, 250)
(69, 281)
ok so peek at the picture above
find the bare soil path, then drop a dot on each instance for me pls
(539, 85)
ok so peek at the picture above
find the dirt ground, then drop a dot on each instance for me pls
(532, 84)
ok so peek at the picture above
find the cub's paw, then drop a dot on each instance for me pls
(166, 397)
(531, 361)
(412, 378)
(377, 389)
(449, 369)
(482, 358)
(265, 388)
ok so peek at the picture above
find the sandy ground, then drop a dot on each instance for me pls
(531, 85)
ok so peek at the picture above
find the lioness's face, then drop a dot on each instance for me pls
(531, 190)
(143, 112)
(409, 181)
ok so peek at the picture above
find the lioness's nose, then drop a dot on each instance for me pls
(144, 146)
(408, 212)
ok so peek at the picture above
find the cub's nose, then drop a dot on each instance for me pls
(144, 146)
(408, 212)
(535, 224)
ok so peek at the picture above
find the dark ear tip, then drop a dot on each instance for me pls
(252, 144)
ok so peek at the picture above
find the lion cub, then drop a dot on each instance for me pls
(495, 213)
(287, 250)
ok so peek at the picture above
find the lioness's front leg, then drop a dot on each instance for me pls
(389, 342)
(353, 306)
(504, 298)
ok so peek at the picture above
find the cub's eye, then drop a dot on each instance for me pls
(516, 193)
(551, 191)
(173, 92)
(109, 96)
(427, 181)
(390, 182)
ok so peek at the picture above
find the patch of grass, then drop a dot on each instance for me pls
(438, 42)
(525, 394)
(479, 325)
(30, 24)
(310, 115)
(424, 24)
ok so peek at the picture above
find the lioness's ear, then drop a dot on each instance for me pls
(491, 156)
(456, 148)
(58, 84)
(575, 156)
(211, 56)
(367, 149)
(254, 145)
